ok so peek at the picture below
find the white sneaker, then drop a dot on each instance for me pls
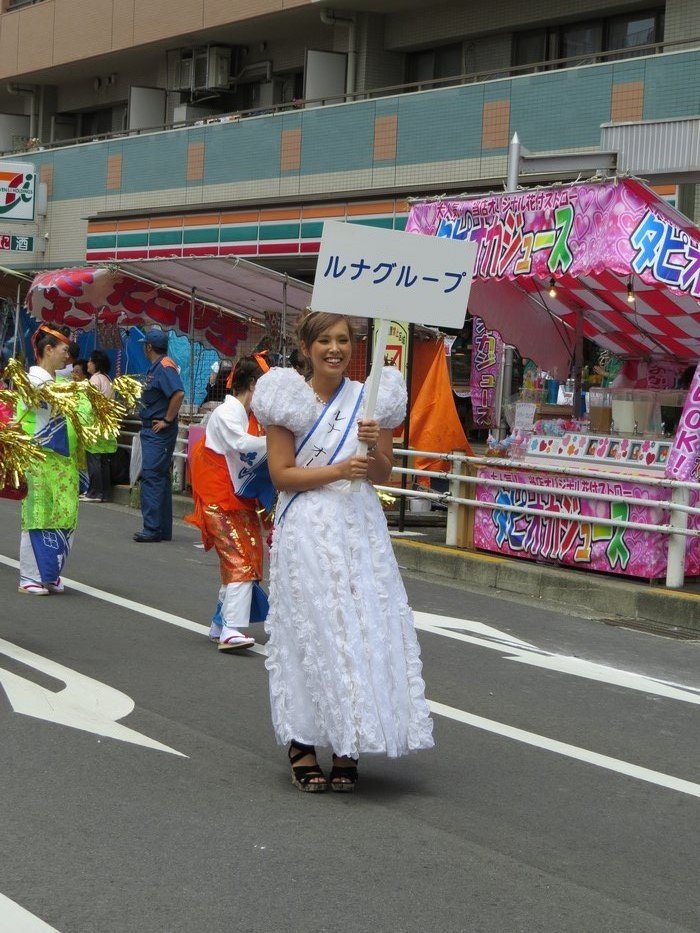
(58, 586)
(234, 641)
(33, 589)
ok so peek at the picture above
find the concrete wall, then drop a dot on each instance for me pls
(55, 32)
(447, 22)
(682, 19)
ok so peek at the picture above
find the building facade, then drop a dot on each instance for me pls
(207, 127)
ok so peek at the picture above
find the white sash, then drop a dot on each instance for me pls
(332, 437)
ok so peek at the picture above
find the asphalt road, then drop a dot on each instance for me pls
(141, 790)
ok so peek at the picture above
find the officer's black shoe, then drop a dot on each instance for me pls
(142, 538)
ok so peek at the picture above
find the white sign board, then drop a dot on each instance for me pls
(366, 272)
(17, 187)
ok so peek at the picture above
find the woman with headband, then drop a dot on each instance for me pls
(50, 510)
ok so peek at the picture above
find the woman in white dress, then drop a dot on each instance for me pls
(343, 657)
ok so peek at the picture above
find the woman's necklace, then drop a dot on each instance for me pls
(321, 401)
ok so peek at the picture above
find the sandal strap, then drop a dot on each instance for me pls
(349, 772)
(343, 774)
(301, 751)
(305, 773)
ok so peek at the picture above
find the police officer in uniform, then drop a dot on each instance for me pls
(159, 406)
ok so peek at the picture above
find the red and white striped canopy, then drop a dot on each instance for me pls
(611, 250)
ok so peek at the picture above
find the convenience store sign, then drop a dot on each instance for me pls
(17, 190)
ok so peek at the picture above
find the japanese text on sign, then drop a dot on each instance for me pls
(668, 253)
(487, 348)
(21, 244)
(364, 271)
(507, 247)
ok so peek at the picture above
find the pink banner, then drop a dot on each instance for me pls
(587, 544)
(487, 350)
(613, 251)
(686, 446)
(575, 229)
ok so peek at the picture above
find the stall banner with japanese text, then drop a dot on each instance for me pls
(568, 230)
(487, 352)
(366, 272)
(625, 551)
(684, 454)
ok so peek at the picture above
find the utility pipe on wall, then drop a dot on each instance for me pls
(332, 19)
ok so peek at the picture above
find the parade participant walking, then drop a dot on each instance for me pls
(229, 478)
(66, 372)
(99, 454)
(159, 407)
(50, 509)
(343, 657)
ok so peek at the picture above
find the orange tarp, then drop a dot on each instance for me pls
(435, 424)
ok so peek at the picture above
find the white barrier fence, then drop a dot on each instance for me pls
(460, 502)
(463, 472)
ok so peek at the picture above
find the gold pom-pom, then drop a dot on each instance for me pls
(18, 452)
(92, 414)
(128, 389)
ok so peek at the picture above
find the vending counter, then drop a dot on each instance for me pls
(624, 551)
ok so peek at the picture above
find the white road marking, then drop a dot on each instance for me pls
(84, 703)
(570, 751)
(490, 638)
(15, 919)
(128, 604)
(524, 653)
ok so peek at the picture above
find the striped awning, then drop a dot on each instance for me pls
(226, 294)
(611, 251)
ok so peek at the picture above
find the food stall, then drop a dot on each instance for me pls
(610, 261)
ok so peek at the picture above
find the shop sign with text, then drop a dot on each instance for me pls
(17, 190)
(587, 543)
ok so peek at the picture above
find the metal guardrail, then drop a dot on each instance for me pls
(463, 472)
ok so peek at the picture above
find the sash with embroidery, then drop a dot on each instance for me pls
(252, 479)
(332, 437)
(245, 453)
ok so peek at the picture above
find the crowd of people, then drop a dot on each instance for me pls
(342, 654)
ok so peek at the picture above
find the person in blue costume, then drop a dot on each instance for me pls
(159, 407)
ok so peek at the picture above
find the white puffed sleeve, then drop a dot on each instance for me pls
(282, 397)
(391, 399)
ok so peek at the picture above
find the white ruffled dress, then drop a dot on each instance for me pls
(343, 657)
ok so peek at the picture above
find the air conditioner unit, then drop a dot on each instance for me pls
(189, 113)
(212, 68)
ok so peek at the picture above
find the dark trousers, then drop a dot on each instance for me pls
(156, 489)
(98, 471)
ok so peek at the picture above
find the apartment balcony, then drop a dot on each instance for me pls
(453, 137)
